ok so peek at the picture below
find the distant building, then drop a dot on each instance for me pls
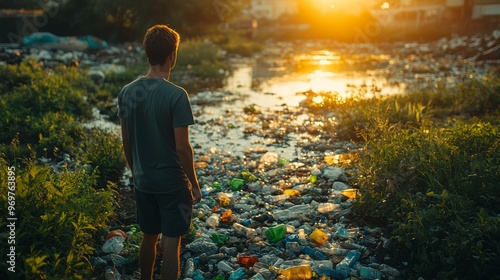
(485, 8)
(418, 13)
(272, 9)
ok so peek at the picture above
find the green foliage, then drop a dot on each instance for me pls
(236, 44)
(57, 218)
(438, 188)
(33, 98)
(201, 57)
(103, 152)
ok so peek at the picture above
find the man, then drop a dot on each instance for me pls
(155, 115)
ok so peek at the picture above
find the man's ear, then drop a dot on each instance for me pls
(173, 59)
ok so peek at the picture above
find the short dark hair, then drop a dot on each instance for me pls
(159, 42)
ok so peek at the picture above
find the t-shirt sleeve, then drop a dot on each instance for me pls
(182, 112)
(122, 108)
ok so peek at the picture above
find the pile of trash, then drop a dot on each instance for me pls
(264, 216)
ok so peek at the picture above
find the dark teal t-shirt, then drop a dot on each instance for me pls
(151, 109)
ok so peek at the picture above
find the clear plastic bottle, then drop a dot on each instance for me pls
(248, 232)
(327, 207)
(344, 266)
(213, 221)
(301, 209)
(277, 198)
(282, 215)
(189, 268)
(317, 255)
(224, 266)
(327, 271)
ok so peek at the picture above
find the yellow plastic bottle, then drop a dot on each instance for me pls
(301, 272)
(318, 236)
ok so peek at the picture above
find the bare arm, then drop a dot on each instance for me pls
(185, 153)
(126, 146)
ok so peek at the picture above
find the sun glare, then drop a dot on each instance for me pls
(385, 6)
(318, 99)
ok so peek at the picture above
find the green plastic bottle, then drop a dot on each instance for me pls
(276, 233)
(237, 184)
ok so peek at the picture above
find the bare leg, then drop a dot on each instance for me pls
(171, 247)
(147, 255)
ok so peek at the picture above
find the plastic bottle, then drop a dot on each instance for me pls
(198, 275)
(347, 233)
(389, 270)
(224, 266)
(369, 273)
(334, 251)
(292, 247)
(258, 276)
(276, 233)
(350, 193)
(189, 268)
(291, 192)
(327, 207)
(313, 179)
(317, 255)
(203, 245)
(224, 200)
(237, 274)
(248, 232)
(344, 266)
(301, 209)
(247, 261)
(112, 274)
(283, 215)
(219, 239)
(213, 221)
(265, 217)
(216, 185)
(219, 277)
(226, 217)
(319, 236)
(237, 184)
(277, 198)
(114, 245)
(302, 237)
(322, 270)
(297, 272)
(229, 251)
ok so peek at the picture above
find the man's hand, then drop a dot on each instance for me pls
(196, 194)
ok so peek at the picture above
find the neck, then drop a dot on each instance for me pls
(159, 71)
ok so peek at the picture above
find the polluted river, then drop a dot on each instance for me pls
(276, 188)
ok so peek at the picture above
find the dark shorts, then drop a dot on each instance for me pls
(168, 214)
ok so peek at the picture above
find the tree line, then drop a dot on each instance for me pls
(127, 20)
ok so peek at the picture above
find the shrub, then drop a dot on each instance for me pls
(57, 219)
(102, 150)
(438, 191)
(203, 57)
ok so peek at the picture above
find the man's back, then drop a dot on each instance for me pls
(151, 109)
